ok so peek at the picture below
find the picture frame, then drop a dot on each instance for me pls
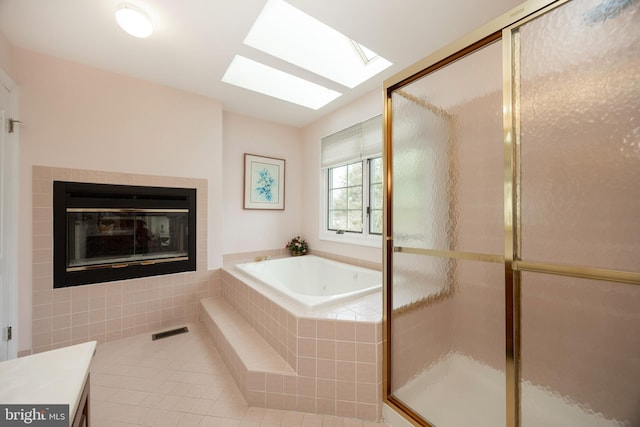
(263, 182)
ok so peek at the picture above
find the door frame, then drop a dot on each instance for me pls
(9, 289)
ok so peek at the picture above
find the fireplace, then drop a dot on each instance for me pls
(104, 232)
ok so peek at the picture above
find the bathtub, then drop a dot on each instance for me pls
(314, 281)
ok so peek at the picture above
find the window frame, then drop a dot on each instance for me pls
(365, 237)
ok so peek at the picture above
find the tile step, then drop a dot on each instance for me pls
(249, 347)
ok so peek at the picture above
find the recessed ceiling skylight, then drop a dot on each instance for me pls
(288, 33)
(258, 77)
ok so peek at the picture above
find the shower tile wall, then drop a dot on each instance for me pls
(581, 203)
(479, 314)
(423, 335)
(581, 338)
(469, 318)
(478, 305)
(556, 311)
(113, 310)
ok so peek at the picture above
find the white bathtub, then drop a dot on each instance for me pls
(314, 281)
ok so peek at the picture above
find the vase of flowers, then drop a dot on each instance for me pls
(297, 246)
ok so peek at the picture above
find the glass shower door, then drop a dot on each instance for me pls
(448, 274)
(579, 79)
(512, 285)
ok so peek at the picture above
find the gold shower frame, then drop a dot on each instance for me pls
(505, 30)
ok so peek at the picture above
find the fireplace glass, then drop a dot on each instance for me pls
(119, 237)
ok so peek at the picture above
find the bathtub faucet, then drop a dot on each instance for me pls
(262, 258)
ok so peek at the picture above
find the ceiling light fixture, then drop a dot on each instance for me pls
(134, 21)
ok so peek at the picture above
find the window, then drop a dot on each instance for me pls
(345, 198)
(352, 177)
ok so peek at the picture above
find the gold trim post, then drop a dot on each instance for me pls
(386, 254)
(512, 282)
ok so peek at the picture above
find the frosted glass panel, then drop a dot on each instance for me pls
(420, 176)
(580, 352)
(417, 277)
(448, 157)
(448, 345)
(580, 118)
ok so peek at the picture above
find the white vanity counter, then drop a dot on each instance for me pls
(53, 377)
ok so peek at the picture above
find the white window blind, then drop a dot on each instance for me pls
(356, 142)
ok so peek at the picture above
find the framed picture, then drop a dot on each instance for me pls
(263, 182)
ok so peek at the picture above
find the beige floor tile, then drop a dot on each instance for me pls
(180, 381)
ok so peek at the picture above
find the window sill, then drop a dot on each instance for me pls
(350, 239)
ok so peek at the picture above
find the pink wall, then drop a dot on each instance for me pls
(79, 117)
(6, 56)
(255, 230)
(364, 108)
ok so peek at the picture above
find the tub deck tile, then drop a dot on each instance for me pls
(274, 365)
(317, 349)
(253, 351)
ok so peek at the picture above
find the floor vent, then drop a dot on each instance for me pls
(170, 333)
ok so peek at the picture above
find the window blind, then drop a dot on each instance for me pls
(356, 142)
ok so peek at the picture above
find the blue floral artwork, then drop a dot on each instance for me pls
(264, 183)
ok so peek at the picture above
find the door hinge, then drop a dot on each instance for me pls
(9, 333)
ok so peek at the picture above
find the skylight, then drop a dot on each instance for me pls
(288, 33)
(365, 54)
(253, 75)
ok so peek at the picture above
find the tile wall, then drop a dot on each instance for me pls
(112, 310)
(338, 361)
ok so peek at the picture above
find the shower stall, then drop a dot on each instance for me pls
(512, 223)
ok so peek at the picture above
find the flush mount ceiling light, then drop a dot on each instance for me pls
(134, 21)
(288, 33)
(261, 78)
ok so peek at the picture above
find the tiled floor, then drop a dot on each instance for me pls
(180, 381)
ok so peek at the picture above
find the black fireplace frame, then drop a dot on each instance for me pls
(89, 195)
